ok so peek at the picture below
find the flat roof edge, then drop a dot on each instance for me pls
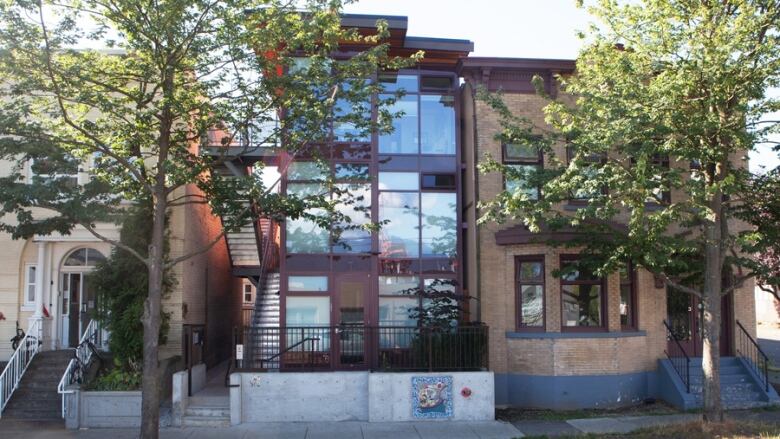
(447, 44)
(516, 63)
(361, 20)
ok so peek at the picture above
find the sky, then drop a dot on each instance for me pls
(509, 28)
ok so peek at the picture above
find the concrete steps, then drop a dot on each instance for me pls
(206, 416)
(37, 398)
(739, 388)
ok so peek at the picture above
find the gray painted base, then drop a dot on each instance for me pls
(574, 392)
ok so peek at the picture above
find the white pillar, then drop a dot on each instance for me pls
(40, 269)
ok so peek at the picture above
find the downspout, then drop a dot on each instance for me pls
(477, 251)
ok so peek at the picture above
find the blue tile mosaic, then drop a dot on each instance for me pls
(431, 397)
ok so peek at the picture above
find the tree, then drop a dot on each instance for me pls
(177, 72)
(675, 83)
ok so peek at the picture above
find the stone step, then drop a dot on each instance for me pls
(36, 384)
(724, 379)
(205, 421)
(729, 388)
(51, 405)
(210, 412)
(725, 370)
(29, 393)
(46, 414)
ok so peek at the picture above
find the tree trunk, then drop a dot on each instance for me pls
(150, 399)
(711, 301)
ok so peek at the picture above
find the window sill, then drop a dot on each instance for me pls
(562, 335)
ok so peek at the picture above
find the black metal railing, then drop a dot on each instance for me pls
(384, 348)
(748, 349)
(677, 356)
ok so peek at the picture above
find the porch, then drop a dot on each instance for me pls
(355, 347)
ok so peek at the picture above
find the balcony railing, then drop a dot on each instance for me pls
(357, 347)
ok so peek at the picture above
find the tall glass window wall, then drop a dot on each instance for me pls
(410, 175)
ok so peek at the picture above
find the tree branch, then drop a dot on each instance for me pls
(202, 250)
(679, 286)
(115, 243)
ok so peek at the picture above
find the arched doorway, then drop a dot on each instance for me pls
(77, 300)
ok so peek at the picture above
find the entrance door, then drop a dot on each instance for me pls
(685, 316)
(351, 318)
(71, 298)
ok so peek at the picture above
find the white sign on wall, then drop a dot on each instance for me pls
(239, 352)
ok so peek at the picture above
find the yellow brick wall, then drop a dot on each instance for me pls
(560, 356)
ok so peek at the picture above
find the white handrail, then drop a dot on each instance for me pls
(17, 365)
(81, 359)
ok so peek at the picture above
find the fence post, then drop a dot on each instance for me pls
(430, 350)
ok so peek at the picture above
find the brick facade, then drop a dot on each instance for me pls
(553, 352)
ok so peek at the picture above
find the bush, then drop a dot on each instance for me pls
(121, 284)
(117, 379)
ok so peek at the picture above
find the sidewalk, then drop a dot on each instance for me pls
(395, 430)
(322, 430)
(610, 425)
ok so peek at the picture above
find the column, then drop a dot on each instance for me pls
(40, 269)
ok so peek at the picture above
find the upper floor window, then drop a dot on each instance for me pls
(352, 196)
(44, 170)
(415, 223)
(582, 297)
(523, 160)
(425, 122)
(661, 194)
(529, 288)
(248, 290)
(348, 111)
(591, 165)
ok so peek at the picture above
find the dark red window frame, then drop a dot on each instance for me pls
(566, 260)
(633, 312)
(519, 325)
(538, 161)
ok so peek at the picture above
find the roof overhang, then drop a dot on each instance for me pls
(513, 74)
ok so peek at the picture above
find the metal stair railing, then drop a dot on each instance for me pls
(29, 346)
(748, 349)
(680, 360)
(264, 259)
(83, 355)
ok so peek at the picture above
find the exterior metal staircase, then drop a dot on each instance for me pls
(267, 316)
(243, 247)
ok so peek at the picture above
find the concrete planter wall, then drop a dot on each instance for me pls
(354, 396)
(103, 409)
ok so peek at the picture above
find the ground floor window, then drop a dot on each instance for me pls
(628, 301)
(29, 284)
(529, 288)
(582, 297)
